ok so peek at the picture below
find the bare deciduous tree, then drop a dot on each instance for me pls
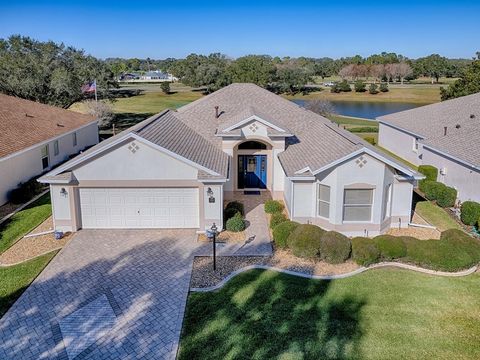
(347, 71)
(103, 111)
(404, 70)
(391, 71)
(320, 106)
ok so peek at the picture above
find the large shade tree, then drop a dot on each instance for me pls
(469, 82)
(50, 73)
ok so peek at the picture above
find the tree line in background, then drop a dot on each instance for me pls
(54, 73)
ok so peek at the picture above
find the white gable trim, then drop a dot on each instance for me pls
(68, 165)
(373, 154)
(251, 118)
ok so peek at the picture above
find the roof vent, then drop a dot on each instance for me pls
(216, 112)
(28, 115)
(60, 125)
(472, 116)
(444, 131)
(457, 126)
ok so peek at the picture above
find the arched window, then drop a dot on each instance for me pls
(252, 145)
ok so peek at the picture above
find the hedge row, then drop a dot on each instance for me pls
(454, 251)
(312, 242)
(445, 196)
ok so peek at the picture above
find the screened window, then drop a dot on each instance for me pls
(55, 148)
(357, 204)
(323, 201)
(44, 152)
(415, 144)
(74, 139)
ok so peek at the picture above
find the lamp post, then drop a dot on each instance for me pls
(214, 233)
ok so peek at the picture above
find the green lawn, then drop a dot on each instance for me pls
(15, 279)
(24, 221)
(380, 314)
(436, 216)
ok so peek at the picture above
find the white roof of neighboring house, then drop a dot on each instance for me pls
(460, 116)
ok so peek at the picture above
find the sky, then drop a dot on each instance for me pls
(161, 29)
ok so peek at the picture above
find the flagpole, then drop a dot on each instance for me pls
(95, 81)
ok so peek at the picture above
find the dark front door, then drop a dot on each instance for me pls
(252, 171)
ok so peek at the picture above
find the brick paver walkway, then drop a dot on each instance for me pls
(143, 274)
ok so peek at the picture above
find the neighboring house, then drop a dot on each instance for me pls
(129, 76)
(445, 135)
(158, 76)
(175, 169)
(35, 137)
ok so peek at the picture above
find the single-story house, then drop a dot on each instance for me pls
(445, 135)
(175, 169)
(36, 137)
(158, 76)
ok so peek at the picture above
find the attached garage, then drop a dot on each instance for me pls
(139, 208)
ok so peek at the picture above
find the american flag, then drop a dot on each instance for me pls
(89, 87)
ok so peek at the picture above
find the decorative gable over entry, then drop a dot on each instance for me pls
(253, 122)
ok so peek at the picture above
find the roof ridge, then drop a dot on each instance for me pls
(202, 99)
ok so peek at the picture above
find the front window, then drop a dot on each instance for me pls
(323, 201)
(74, 139)
(357, 204)
(44, 152)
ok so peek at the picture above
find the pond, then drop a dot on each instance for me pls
(367, 110)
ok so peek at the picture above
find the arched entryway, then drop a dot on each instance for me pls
(253, 164)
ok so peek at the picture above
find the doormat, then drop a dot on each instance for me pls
(251, 192)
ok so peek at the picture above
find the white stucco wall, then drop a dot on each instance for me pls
(459, 176)
(399, 143)
(26, 164)
(373, 174)
(146, 163)
(213, 212)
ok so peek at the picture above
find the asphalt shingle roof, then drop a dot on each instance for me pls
(24, 123)
(460, 116)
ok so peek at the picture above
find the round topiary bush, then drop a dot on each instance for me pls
(364, 251)
(237, 206)
(228, 213)
(335, 248)
(305, 241)
(276, 219)
(235, 223)
(470, 212)
(446, 197)
(282, 231)
(273, 206)
(391, 247)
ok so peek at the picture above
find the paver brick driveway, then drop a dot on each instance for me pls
(143, 274)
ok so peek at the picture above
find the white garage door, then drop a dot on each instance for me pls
(139, 208)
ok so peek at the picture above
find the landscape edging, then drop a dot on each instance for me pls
(334, 277)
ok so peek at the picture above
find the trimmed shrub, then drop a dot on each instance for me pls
(235, 223)
(360, 86)
(25, 191)
(454, 251)
(470, 212)
(391, 247)
(236, 205)
(370, 140)
(344, 86)
(282, 231)
(305, 241)
(335, 248)
(335, 89)
(228, 213)
(276, 219)
(364, 129)
(273, 206)
(430, 172)
(446, 196)
(365, 251)
(384, 87)
(432, 189)
(372, 89)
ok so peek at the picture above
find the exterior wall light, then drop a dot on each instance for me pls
(211, 198)
(63, 192)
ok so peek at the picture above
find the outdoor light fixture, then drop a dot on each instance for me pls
(211, 198)
(213, 231)
(63, 192)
